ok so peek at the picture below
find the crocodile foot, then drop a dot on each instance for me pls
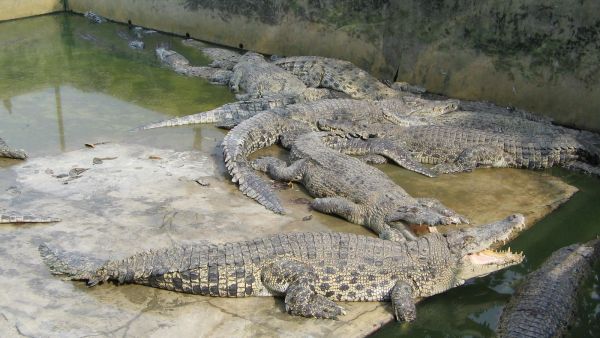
(300, 301)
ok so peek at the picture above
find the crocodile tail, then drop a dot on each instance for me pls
(253, 186)
(250, 135)
(221, 114)
(227, 113)
(71, 266)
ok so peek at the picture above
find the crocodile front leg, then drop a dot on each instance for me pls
(297, 281)
(403, 302)
(471, 158)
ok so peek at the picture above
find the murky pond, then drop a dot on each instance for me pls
(65, 82)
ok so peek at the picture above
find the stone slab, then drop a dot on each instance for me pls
(149, 198)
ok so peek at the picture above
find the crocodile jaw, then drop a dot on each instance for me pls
(478, 239)
(485, 262)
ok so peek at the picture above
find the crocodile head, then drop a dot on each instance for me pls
(473, 248)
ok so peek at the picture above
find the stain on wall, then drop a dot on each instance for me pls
(14, 9)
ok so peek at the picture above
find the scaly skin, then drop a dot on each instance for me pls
(7, 217)
(349, 188)
(181, 65)
(5, 151)
(310, 270)
(545, 304)
(343, 76)
(458, 149)
(93, 17)
(266, 128)
(255, 77)
(407, 110)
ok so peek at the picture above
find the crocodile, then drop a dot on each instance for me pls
(94, 18)
(340, 75)
(545, 303)
(458, 149)
(266, 128)
(407, 110)
(5, 151)
(351, 189)
(14, 217)
(255, 77)
(181, 65)
(309, 270)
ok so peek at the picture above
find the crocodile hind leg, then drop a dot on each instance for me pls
(403, 302)
(382, 147)
(297, 281)
(279, 170)
(471, 158)
(355, 213)
(373, 159)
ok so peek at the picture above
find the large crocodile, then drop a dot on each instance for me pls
(7, 217)
(545, 304)
(340, 75)
(407, 110)
(349, 188)
(181, 65)
(457, 149)
(5, 151)
(266, 128)
(310, 270)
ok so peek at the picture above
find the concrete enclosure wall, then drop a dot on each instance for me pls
(14, 9)
(541, 55)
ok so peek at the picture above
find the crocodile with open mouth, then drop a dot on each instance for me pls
(310, 270)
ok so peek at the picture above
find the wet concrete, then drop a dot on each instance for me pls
(141, 197)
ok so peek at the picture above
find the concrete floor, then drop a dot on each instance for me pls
(148, 198)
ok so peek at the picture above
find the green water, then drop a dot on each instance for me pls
(65, 82)
(473, 310)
